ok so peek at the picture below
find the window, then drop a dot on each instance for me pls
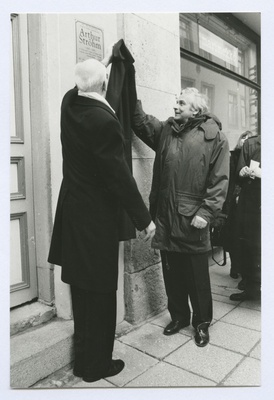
(186, 82)
(210, 37)
(243, 113)
(241, 63)
(222, 62)
(186, 33)
(208, 90)
(232, 110)
(226, 97)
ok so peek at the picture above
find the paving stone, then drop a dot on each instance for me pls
(166, 375)
(233, 337)
(220, 309)
(253, 304)
(223, 291)
(136, 363)
(245, 317)
(256, 352)
(210, 362)
(223, 299)
(59, 379)
(102, 383)
(154, 360)
(64, 378)
(164, 319)
(150, 339)
(248, 373)
(123, 328)
(219, 275)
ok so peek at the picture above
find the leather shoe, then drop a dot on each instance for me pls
(245, 296)
(202, 336)
(238, 296)
(234, 275)
(174, 327)
(116, 366)
(77, 372)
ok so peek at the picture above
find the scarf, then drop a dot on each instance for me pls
(95, 96)
(191, 123)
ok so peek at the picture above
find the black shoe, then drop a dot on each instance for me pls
(116, 366)
(241, 285)
(174, 327)
(233, 274)
(77, 372)
(245, 296)
(202, 336)
(239, 296)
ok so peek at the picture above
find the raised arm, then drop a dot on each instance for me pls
(147, 127)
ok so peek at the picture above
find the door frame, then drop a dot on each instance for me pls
(38, 87)
(24, 287)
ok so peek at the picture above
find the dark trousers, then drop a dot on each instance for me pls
(251, 269)
(235, 256)
(186, 276)
(94, 331)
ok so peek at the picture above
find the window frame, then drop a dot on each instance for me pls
(238, 25)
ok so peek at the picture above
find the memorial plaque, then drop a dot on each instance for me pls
(89, 42)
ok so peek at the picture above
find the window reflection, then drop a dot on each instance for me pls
(210, 37)
(235, 104)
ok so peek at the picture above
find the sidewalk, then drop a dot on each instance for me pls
(152, 359)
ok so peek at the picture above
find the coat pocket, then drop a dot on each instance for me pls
(181, 228)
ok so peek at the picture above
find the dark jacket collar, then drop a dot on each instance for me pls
(210, 124)
(72, 97)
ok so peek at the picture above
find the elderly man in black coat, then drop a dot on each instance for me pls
(97, 183)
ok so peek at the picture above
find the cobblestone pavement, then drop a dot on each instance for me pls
(153, 360)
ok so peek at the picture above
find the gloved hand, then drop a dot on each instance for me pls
(219, 220)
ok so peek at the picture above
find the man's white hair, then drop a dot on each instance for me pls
(199, 101)
(90, 75)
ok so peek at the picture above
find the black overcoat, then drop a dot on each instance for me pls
(97, 183)
(249, 206)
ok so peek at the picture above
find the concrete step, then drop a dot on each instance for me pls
(38, 352)
(30, 315)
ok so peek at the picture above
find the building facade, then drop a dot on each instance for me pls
(217, 53)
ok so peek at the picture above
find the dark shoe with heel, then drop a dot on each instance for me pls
(116, 366)
(239, 296)
(174, 327)
(233, 274)
(202, 336)
(242, 296)
(77, 372)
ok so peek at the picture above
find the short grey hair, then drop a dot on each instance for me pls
(200, 101)
(90, 75)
